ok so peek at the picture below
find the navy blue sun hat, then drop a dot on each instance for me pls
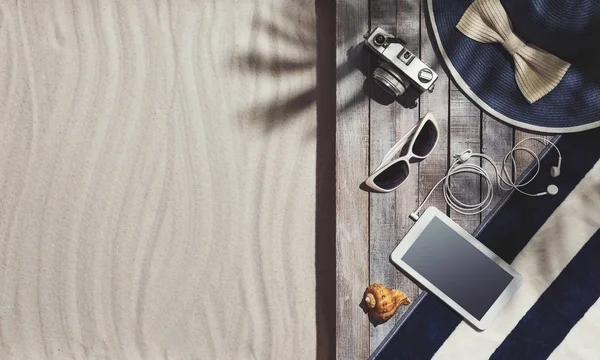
(486, 71)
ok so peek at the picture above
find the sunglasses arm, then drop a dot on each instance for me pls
(397, 147)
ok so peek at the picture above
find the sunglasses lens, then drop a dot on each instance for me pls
(393, 176)
(426, 140)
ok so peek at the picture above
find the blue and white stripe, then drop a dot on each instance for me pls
(554, 242)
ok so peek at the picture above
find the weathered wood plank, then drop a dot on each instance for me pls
(523, 158)
(352, 204)
(389, 212)
(434, 167)
(496, 141)
(382, 206)
(407, 196)
(465, 133)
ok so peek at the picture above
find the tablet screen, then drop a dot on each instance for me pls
(457, 268)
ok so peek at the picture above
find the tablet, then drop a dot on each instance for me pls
(451, 264)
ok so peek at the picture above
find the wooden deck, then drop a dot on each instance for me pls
(369, 225)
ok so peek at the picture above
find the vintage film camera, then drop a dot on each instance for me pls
(398, 68)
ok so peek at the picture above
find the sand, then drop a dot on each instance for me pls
(157, 179)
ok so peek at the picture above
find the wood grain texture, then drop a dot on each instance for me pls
(465, 133)
(523, 158)
(408, 14)
(496, 141)
(408, 25)
(352, 204)
(437, 102)
(388, 216)
(382, 214)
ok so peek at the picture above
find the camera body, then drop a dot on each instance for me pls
(398, 67)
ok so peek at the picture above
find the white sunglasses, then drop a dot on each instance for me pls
(390, 173)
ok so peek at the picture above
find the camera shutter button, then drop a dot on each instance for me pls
(425, 75)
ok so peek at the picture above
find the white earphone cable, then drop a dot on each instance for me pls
(503, 178)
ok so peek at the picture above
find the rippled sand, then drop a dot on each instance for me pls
(157, 179)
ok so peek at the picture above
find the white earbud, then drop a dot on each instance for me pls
(503, 177)
(464, 156)
(555, 170)
(550, 190)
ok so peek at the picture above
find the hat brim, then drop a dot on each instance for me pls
(485, 74)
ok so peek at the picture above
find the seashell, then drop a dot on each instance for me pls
(383, 302)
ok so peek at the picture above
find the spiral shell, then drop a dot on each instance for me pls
(383, 302)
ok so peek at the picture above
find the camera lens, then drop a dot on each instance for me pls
(379, 39)
(389, 80)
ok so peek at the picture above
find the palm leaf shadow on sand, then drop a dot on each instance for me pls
(302, 38)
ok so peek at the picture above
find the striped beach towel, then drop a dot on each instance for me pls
(554, 242)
